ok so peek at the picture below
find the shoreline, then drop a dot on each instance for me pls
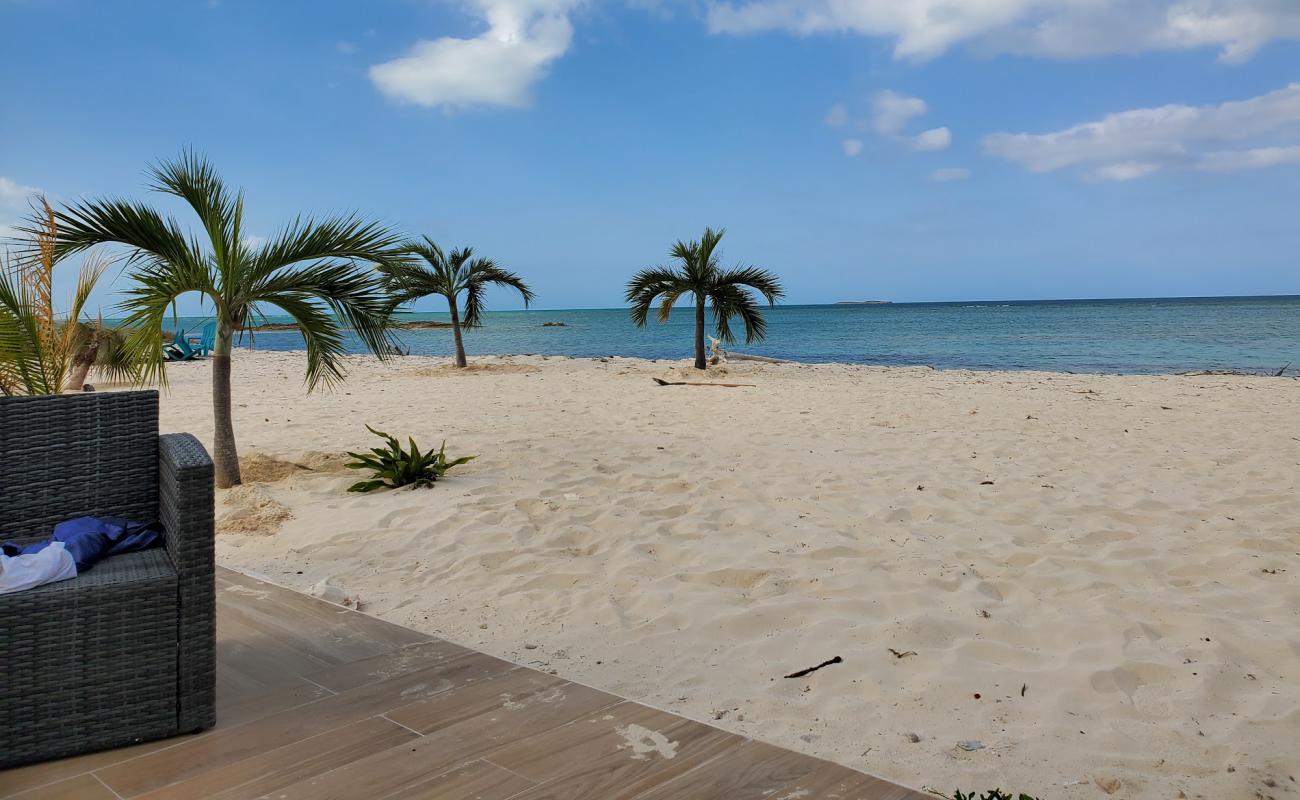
(1292, 370)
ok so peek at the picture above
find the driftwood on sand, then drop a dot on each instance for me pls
(717, 354)
(746, 357)
(663, 382)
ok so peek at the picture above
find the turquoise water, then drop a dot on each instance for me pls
(1118, 336)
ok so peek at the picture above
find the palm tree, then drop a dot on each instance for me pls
(104, 349)
(428, 271)
(316, 271)
(42, 351)
(699, 275)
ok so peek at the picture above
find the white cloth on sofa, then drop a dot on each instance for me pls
(54, 563)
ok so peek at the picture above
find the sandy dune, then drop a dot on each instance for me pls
(1095, 577)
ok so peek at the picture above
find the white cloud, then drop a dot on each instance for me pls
(893, 111)
(1137, 143)
(949, 174)
(890, 115)
(345, 48)
(1258, 158)
(15, 195)
(497, 67)
(923, 29)
(15, 199)
(933, 139)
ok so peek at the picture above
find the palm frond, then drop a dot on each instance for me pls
(707, 253)
(647, 285)
(416, 270)
(306, 240)
(480, 272)
(763, 281)
(195, 180)
(732, 301)
(471, 312)
(84, 225)
(309, 293)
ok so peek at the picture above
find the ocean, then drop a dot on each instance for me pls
(1138, 336)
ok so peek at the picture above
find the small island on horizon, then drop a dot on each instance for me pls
(863, 302)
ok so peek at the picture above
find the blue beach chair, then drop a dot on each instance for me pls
(203, 343)
(180, 349)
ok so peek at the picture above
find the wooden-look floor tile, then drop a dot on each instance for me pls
(753, 771)
(298, 634)
(229, 714)
(232, 711)
(441, 711)
(22, 779)
(830, 781)
(320, 702)
(82, 787)
(614, 754)
(474, 781)
(387, 665)
(509, 718)
(265, 773)
(219, 748)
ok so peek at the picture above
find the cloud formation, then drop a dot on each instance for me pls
(496, 68)
(933, 139)
(1141, 142)
(14, 202)
(925, 29)
(890, 115)
(893, 111)
(13, 194)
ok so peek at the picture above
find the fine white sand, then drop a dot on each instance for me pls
(1094, 576)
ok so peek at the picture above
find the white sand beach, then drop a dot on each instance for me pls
(1095, 577)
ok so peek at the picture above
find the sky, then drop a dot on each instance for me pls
(907, 150)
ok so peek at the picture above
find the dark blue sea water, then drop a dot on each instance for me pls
(1119, 336)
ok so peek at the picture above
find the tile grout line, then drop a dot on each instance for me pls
(385, 716)
(110, 789)
(319, 686)
(534, 782)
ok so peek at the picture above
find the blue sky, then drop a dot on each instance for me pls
(896, 149)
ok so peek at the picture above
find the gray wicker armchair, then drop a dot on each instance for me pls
(125, 652)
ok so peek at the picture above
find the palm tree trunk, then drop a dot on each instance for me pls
(224, 455)
(700, 363)
(81, 368)
(455, 329)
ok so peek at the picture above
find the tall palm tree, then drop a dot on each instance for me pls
(699, 275)
(316, 271)
(428, 271)
(43, 351)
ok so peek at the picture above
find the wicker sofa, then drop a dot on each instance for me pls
(126, 651)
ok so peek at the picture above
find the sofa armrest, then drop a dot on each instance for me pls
(186, 510)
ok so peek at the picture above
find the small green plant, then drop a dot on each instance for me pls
(992, 794)
(394, 467)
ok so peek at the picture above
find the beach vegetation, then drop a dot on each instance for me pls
(318, 271)
(428, 270)
(392, 466)
(699, 275)
(43, 351)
